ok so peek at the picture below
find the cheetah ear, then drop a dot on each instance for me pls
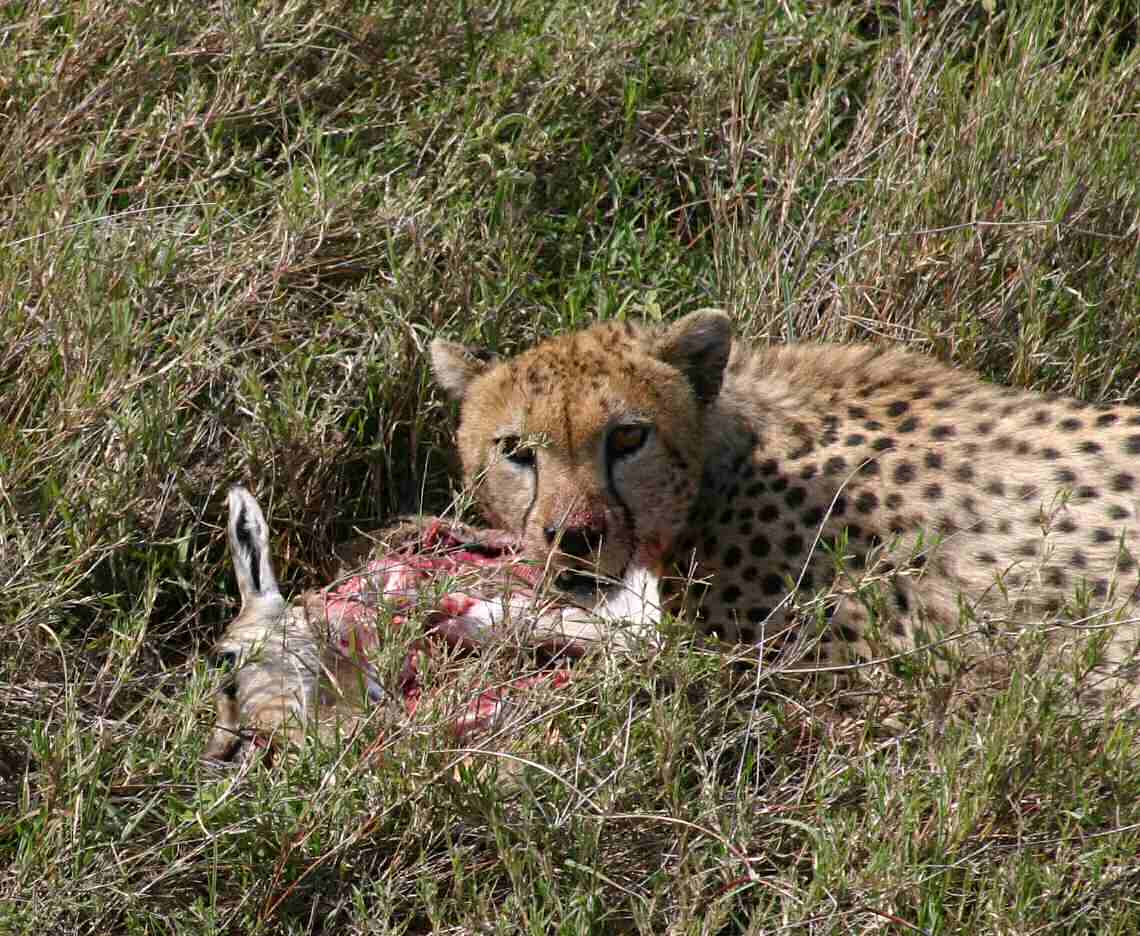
(249, 547)
(698, 346)
(456, 365)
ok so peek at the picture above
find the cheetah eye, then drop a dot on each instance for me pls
(515, 452)
(625, 440)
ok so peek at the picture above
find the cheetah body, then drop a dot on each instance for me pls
(759, 472)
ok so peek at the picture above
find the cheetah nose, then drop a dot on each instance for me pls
(576, 541)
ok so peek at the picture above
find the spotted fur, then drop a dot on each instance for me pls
(759, 472)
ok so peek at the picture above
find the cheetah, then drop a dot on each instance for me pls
(745, 477)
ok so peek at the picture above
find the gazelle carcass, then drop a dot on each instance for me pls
(305, 666)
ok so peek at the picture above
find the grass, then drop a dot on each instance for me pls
(228, 233)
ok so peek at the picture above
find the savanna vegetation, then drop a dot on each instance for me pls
(227, 233)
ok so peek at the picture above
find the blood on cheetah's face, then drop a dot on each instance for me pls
(590, 445)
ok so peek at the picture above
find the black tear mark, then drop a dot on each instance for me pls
(627, 514)
(249, 547)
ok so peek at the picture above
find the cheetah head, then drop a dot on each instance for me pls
(591, 445)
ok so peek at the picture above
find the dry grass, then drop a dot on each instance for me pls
(228, 232)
